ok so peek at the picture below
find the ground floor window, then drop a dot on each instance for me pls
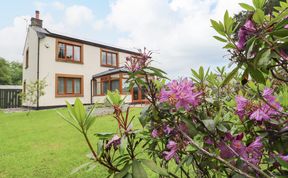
(69, 85)
(112, 82)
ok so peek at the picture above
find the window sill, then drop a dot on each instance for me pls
(110, 66)
(67, 61)
(68, 95)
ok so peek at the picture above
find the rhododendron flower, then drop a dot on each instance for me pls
(286, 26)
(155, 133)
(115, 142)
(247, 29)
(285, 158)
(259, 115)
(172, 153)
(241, 109)
(167, 129)
(135, 63)
(180, 93)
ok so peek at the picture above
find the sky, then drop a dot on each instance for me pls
(177, 31)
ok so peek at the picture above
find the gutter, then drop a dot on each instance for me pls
(91, 88)
(38, 92)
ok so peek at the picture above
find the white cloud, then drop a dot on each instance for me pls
(77, 14)
(13, 38)
(179, 29)
(58, 5)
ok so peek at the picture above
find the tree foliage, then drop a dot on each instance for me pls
(10, 72)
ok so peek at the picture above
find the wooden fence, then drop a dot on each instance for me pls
(9, 98)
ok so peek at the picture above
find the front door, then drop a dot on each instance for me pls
(138, 95)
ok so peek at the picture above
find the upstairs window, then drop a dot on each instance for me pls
(69, 85)
(27, 59)
(109, 58)
(69, 52)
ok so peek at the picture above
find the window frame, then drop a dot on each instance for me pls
(73, 77)
(68, 43)
(105, 79)
(109, 52)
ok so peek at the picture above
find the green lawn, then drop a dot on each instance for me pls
(43, 145)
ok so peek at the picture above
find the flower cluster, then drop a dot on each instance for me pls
(259, 112)
(115, 142)
(244, 32)
(175, 140)
(252, 153)
(136, 63)
(181, 94)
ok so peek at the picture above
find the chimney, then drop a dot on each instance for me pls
(36, 21)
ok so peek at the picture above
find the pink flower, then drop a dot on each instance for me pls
(285, 158)
(241, 109)
(259, 115)
(172, 153)
(181, 94)
(244, 32)
(135, 63)
(286, 26)
(154, 133)
(167, 129)
(115, 142)
(283, 54)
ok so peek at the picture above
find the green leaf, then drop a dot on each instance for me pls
(218, 27)
(220, 39)
(229, 46)
(259, 16)
(259, 3)
(99, 147)
(280, 33)
(228, 23)
(209, 124)
(265, 57)
(104, 135)
(247, 7)
(138, 170)
(151, 165)
(80, 111)
(123, 171)
(230, 76)
(282, 162)
(256, 74)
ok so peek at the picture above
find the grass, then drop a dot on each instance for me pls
(43, 145)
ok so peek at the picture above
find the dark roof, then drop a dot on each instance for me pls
(42, 32)
(111, 71)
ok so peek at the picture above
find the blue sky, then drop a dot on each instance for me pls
(177, 30)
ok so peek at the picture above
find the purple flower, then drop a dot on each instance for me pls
(254, 150)
(236, 145)
(241, 106)
(135, 63)
(180, 93)
(244, 32)
(283, 54)
(115, 141)
(155, 133)
(285, 158)
(172, 153)
(259, 115)
(167, 129)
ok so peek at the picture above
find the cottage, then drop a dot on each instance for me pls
(74, 67)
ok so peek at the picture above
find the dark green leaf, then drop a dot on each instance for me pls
(220, 39)
(123, 171)
(230, 76)
(138, 170)
(256, 74)
(151, 165)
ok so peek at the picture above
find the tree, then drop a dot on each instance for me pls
(5, 78)
(10, 72)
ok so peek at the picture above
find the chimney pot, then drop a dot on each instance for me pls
(37, 14)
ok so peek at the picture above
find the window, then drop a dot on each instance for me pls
(69, 52)
(27, 59)
(109, 59)
(101, 85)
(69, 85)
